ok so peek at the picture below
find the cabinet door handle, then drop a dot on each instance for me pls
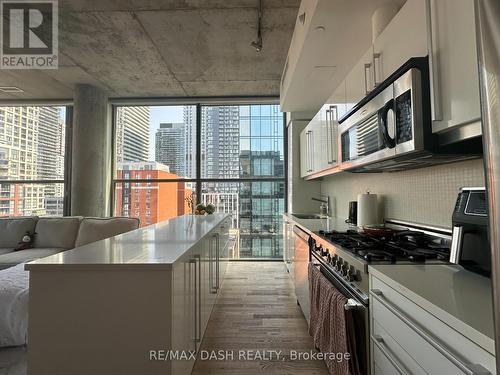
(333, 131)
(328, 140)
(217, 261)
(312, 151)
(192, 262)
(210, 270)
(469, 369)
(433, 66)
(368, 66)
(376, 59)
(198, 336)
(213, 287)
(379, 342)
(308, 151)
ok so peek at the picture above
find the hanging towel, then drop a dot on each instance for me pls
(314, 299)
(331, 326)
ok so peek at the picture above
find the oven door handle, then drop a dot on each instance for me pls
(389, 142)
(352, 304)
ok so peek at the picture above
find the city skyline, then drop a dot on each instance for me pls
(244, 141)
(32, 147)
(237, 142)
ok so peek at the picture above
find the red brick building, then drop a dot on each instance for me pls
(151, 202)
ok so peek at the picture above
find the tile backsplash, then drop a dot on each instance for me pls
(424, 195)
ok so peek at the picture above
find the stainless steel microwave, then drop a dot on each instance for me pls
(391, 129)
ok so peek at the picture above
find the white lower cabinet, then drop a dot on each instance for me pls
(407, 339)
(196, 281)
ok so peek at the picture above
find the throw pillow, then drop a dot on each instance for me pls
(26, 241)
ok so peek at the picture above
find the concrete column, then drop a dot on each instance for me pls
(91, 155)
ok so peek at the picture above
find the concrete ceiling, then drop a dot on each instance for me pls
(158, 48)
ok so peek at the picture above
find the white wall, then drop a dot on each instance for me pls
(424, 195)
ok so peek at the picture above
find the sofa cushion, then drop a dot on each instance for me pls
(57, 232)
(27, 255)
(13, 229)
(5, 250)
(95, 229)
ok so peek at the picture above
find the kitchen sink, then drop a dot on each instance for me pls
(308, 216)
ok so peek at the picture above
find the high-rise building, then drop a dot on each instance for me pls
(132, 134)
(190, 140)
(220, 143)
(31, 148)
(50, 163)
(246, 142)
(170, 146)
(151, 202)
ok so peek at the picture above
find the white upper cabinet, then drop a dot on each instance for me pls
(403, 38)
(443, 30)
(304, 153)
(319, 142)
(360, 80)
(455, 70)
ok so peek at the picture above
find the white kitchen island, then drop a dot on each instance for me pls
(110, 306)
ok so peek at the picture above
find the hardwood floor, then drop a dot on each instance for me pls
(256, 310)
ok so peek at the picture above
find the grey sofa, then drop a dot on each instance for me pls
(55, 234)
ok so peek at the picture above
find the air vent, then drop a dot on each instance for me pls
(368, 139)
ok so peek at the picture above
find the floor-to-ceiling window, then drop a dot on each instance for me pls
(231, 156)
(33, 146)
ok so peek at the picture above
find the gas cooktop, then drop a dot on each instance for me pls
(402, 246)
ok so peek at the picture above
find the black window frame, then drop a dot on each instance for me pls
(68, 152)
(198, 179)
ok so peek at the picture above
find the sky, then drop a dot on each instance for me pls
(162, 114)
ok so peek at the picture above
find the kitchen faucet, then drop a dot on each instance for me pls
(325, 202)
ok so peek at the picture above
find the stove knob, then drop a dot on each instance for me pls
(351, 271)
(343, 269)
(338, 264)
(357, 275)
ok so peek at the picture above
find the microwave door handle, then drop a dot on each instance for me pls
(382, 121)
(456, 245)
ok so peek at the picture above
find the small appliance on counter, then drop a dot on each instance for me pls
(470, 245)
(367, 209)
(353, 213)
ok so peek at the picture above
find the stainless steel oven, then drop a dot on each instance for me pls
(358, 306)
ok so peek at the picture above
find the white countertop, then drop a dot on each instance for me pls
(459, 298)
(155, 246)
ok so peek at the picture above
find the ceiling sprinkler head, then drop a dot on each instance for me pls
(257, 45)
